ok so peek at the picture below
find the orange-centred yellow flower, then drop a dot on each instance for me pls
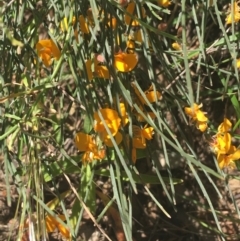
(47, 50)
(197, 116)
(87, 144)
(125, 62)
(131, 14)
(234, 16)
(112, 121)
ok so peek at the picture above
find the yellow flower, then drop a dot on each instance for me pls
(226, 153)
(221, 143)
(124, 116)
(131, 9)
(52, 224)
(198, 116)
(112, 120)
(228, 160)
(235, 15)
(124, 62)
(64, 24)
(130, 46)
(176, 46)
(100, 70)
(112, 23)
(46, 50)
(139, 139)
(83, 25)
(151, 97)
(164, 3)
(140, 117)
(222, 140)
(225, 126)
(150, 94)
(135, 38)
(86, 143)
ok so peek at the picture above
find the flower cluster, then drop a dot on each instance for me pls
(123, 62)
(107, 123)
(47, 49)
(222, 145)
(197, 116)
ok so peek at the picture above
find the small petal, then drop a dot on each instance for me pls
(139, 143)
(140, 117)
(238, 63)
(130, 46)
(222, 160)
(112, 23)
(124, 115)
(64, 24)
(153, 97)
(223, 143)
(83, 25)
(202, 126)
(131, 9)
(235, 156)
(176, 46)
(148, 133)
(201, 117)
(102, 71)
(110, 118)
(52, 224)
(191, 111)
(96, 154)
(88, 65)
(84, 142)
(118, 138)
(134, 155)
(164, 3)
(125, 62)
(225, 126)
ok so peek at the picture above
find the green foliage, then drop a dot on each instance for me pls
(97, 60)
